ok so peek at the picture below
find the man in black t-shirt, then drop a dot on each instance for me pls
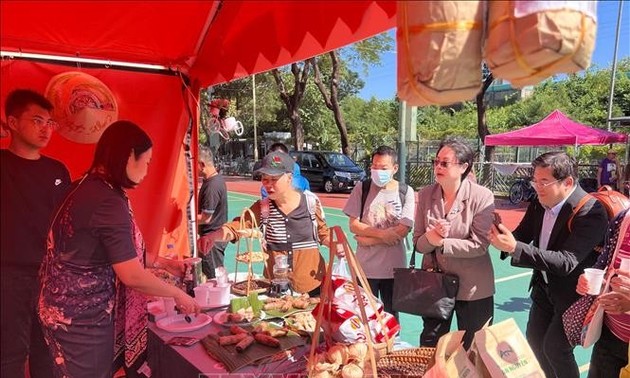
(212, 209)
(31, 187)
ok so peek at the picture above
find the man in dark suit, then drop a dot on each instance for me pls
(543, 242)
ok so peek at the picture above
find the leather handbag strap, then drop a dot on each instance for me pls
(435, 267)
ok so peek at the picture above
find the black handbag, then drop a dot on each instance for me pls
(429, 293)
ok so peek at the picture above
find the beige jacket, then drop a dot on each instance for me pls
(465, 251)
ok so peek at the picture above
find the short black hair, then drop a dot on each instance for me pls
(19, 100)
(279, 146)
(463, 152)
(386, 151)
(113, 150)
(562, 165)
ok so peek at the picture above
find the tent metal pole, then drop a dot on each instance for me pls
(614, 67)
(255, 126)
(402, 153)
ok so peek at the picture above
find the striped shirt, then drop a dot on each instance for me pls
(289, 232)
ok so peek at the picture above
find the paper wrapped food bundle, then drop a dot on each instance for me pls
(529, 41)
(439, 51)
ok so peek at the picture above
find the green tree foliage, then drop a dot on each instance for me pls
(371, 123)
(582, 97)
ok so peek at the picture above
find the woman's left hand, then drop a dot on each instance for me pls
(620, 283)
(614, 303)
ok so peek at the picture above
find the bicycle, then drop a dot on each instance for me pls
(521, 190)
(219, 123)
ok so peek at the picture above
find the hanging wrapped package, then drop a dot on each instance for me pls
(529, 41)
(439, 51)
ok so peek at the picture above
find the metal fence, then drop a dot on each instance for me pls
(235, 167)
(420, 174)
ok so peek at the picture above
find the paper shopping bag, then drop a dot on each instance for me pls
(501, 350)
(451, 360)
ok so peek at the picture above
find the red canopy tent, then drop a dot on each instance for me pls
(555, 130)
(197, 42)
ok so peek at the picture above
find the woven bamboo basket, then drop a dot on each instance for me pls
(421, 351)
(247, 253)
(404, 365)
(375, 350)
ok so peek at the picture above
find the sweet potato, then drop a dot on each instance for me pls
(244, 344)
(267, 340)
(232, 339)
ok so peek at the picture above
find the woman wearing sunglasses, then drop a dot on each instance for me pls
(453, 218)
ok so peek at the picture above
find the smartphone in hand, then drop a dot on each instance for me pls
(496, 220)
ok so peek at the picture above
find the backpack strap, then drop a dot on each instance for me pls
(577, 208)
(311, 202)
(365, 190)
(583, 201)
(402, 192)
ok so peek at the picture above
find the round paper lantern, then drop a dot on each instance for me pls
(83, 106)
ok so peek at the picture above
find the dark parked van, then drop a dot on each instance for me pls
(330, 171)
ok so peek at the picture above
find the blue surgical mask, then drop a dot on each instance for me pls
(380, 177)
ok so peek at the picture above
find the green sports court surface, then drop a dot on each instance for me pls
(511, 299)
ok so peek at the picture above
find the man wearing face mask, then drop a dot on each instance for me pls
(380, 221)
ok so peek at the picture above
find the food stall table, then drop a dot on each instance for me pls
(193, 361)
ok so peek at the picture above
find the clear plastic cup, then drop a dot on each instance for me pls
(169, 306)
(595, 278)
(202, 294)
(282, 261)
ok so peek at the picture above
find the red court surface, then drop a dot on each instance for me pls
(510, 214)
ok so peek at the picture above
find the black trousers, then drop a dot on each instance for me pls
(471, 317)
(545, 335)
(21, 332)
(384, 288)
(610, 354)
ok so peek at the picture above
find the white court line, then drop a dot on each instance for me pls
(583, 368)
(513, 277)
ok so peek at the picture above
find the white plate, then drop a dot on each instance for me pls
(177, 323)
(221, 319)
(212, 306)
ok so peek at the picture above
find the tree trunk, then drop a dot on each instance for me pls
(482, 126)
(293, 100)
(331, 99)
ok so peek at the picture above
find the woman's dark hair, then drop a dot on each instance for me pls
(463, 152)
(562, 165)
(113, 150)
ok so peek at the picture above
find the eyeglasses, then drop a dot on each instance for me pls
(41, 123)
(543, 185)
(443, 164)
